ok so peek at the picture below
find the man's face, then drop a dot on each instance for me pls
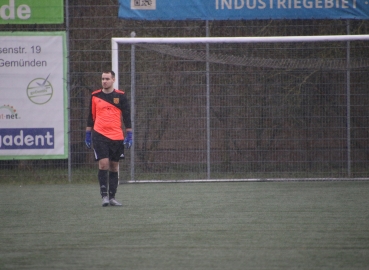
(107, 80)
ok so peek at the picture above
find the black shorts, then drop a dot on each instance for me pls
(114, 150)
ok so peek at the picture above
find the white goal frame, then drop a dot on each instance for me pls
(115, 41)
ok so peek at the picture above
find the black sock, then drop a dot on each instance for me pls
(103, 181)
(113, 184)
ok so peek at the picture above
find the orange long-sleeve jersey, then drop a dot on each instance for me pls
(106, 112)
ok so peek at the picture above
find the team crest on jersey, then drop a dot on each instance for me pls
(116, 100)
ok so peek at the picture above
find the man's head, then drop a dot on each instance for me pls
(107, 80)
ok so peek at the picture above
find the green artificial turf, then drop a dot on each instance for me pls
(257, 225)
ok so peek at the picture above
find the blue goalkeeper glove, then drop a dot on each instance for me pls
(88, 139)
(128, 140)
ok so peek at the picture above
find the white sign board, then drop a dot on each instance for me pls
(33, 90)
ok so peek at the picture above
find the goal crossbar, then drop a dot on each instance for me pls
(115, 41)
(183, 40)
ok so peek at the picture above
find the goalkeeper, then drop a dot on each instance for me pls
(108, 106)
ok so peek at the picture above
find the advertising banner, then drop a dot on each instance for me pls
(31, 11)
(33, 90)
(242, 9)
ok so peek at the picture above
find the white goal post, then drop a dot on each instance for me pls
(115, 41)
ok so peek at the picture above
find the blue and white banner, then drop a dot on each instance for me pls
(27, 138)
(242, 9)
(33, 91)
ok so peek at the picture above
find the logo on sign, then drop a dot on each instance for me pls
(8, 112)
(143, 4)
(40, 90)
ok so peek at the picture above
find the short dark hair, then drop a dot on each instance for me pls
(111, 72)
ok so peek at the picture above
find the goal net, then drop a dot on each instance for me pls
(246, 108)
